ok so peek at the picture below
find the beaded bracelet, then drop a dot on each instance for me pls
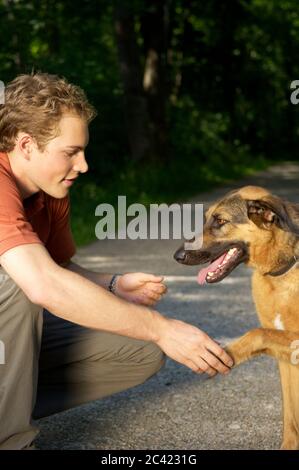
(112, 284)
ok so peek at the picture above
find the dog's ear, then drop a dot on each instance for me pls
(266, 213)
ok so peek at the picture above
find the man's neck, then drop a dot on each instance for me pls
(24, 185)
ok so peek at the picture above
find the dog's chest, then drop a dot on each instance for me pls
(277, 302)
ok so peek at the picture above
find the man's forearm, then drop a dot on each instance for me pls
(75, 298)
(98, 278)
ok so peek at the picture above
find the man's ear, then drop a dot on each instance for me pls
(267, 213)
(25, 144)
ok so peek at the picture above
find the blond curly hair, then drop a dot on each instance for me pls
(35, 104)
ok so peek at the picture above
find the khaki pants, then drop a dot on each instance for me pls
(48, 365)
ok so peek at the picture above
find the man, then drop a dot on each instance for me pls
(94, 342)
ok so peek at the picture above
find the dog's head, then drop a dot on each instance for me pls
(248, 225)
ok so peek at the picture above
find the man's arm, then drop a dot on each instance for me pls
(68, 295)
(140, 288)
(100, 279)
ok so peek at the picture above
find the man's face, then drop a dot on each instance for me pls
(62, 159)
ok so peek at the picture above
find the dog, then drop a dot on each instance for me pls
(255, 227)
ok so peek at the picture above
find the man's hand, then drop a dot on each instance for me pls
(192, 347)
(140, 288)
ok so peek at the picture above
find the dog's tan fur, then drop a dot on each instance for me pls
(276, 298)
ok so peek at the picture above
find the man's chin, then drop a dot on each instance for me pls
(59, 192)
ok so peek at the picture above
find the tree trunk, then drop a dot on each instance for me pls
(135, 105)
(154, 28)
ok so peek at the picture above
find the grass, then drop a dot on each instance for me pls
(175, 182)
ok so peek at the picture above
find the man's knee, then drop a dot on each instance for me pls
(16, 306)
(153, 359)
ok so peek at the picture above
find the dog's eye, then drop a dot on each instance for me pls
(218, 221)
(221, 221)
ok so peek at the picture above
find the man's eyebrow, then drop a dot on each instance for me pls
(75, 147)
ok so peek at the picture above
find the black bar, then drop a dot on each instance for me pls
(145, 458)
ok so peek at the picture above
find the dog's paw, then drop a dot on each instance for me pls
(245, 347)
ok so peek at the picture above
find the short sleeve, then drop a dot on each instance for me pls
(15, 229)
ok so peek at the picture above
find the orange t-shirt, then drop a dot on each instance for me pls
(39, 218)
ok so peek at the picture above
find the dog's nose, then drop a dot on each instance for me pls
(180, 255)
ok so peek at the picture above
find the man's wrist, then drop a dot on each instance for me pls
(112, 283)
(159, 323)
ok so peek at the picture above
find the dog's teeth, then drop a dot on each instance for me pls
(210, 273)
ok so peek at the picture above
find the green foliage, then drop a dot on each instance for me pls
(227, 66)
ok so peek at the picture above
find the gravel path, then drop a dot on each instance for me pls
(177, 409)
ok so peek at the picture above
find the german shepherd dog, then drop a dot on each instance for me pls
(252, 226)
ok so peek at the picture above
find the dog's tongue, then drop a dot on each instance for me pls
(201, 277)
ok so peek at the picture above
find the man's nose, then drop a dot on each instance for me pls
(81, 165)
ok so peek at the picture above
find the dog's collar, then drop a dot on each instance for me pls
(283, 270)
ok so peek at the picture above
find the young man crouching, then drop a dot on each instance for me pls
(67, 338)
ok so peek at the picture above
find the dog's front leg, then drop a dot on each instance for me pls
(290, 395)
(283, 345)
(247, 346)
